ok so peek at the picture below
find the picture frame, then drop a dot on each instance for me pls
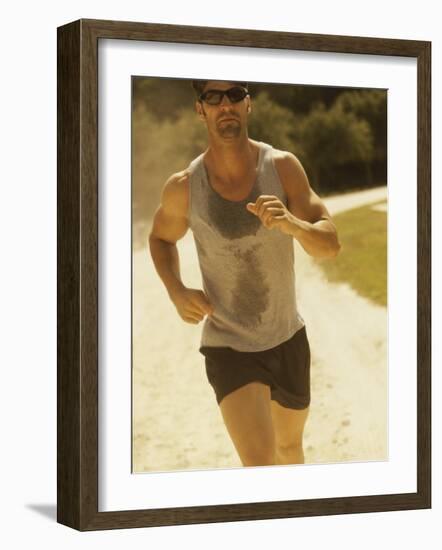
(78, 281)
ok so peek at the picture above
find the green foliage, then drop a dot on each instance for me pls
(369, 105)
(163, 97)
(271, 123)
(332, 137)
(296, 98)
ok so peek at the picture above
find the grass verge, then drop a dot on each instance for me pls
(362, 262)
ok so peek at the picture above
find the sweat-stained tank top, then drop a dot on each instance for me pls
(247, 270)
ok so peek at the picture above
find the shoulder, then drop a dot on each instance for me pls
(290, 171)
(303, 202)
(285, 161)
(178, 183)
(175, 195)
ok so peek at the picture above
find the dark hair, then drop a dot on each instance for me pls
(198, 85)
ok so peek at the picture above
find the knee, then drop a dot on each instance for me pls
(259, 456)
(290, 453)
(289, 448)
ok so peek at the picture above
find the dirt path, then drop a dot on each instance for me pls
(177, 424)
(340, 203)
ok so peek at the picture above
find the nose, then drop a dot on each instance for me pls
(225, 101)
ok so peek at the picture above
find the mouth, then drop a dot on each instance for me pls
(228, 119)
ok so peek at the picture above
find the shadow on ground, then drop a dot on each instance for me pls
(47, 510)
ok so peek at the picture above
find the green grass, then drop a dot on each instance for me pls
(362, 261)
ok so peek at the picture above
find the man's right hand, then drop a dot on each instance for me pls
(192, 305)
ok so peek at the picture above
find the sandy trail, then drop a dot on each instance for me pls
(177, 423)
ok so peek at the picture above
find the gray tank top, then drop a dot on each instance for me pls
(247, 270)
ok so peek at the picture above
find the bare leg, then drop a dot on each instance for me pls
(247, 416)
(289, 429)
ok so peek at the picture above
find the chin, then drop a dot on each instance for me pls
(229, 137)
(229, 133)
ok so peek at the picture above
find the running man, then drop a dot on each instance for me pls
(245, 202)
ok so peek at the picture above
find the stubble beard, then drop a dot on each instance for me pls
(229, 129)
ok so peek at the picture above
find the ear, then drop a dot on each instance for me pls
(249, 105)
(200, 110)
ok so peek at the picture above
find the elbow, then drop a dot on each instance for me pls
(153, 238)
(151, 241)
(155, 242)
(335, 249)
(332, 250)
(326, 253)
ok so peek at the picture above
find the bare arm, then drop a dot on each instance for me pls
(169, 225)
(306, 217)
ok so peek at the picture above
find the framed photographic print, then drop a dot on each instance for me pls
(243, 275)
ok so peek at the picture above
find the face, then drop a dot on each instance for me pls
(226, 120)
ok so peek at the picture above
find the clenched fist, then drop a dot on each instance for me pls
(192, 305)
(272, 212)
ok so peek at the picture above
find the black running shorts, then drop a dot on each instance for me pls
(285, 368)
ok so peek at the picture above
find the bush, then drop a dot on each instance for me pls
(330, 138)
(271, 123)
(369, 105)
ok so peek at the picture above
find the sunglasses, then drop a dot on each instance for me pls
(214, 97)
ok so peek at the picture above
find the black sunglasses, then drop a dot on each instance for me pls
(214, 97)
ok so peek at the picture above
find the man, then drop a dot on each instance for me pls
(245, 202)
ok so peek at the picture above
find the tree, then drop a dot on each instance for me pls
(369, 105)
(332, 137)
(163, 97)
(296, 97)
(271, 123)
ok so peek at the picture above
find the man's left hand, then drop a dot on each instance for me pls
(273, 213)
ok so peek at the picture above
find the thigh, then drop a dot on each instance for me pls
(247, 416)
(292, 375)
(288, 424)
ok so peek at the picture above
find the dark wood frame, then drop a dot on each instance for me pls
(77, 275)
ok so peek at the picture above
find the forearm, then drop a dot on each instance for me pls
(318, 239)
(166, 260)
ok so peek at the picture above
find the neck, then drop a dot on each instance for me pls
(231, 159)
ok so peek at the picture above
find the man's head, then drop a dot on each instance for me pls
(200, 85)
(223, 106)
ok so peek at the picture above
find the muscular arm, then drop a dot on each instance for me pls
(306, 217)
(169, 225)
